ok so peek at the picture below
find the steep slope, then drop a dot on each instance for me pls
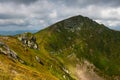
(86, 39)
(19, 62)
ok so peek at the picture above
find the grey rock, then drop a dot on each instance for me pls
(4, 49)
(29, 41)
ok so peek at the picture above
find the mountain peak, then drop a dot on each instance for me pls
(77, 23)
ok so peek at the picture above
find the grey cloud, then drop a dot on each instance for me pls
(83, 3)
(14, 24)
(11, 16)
(18, 1)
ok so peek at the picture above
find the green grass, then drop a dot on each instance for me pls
(47, 72)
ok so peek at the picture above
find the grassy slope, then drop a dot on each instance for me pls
(43, 71)
(87, 39)
(15, 71)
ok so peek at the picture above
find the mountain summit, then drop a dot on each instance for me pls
(76, 48)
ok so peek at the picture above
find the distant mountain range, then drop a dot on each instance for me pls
(16, 32)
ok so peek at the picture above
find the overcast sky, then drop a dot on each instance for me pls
(38, 14)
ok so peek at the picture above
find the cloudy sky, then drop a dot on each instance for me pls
(38, 14)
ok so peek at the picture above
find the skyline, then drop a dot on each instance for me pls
(38, 14)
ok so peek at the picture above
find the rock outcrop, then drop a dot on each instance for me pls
(4, 49)
(29, 40)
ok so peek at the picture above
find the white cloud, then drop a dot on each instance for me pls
(111, 13)
(53, 14)
(42, 21)
(12, 21)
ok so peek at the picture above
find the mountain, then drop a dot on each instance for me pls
(76, 48)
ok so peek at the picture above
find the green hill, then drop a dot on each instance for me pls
(77, 48)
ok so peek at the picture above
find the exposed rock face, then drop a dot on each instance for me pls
(4, 49)
(85, 71)
(29, 40)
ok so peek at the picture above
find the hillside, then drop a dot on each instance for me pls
(86, 39)
(76, 48)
